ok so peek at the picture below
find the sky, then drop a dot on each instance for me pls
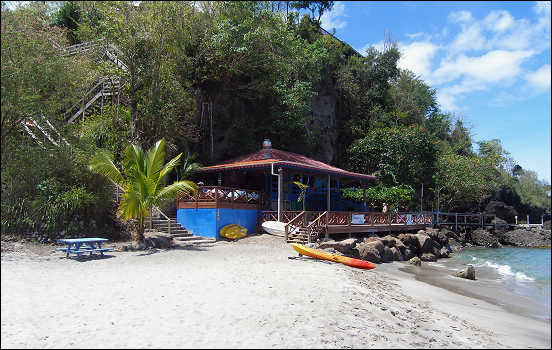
(488, 61)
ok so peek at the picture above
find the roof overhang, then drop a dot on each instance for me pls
(267, 163)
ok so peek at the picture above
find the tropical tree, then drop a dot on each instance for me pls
(189, 165)
(142, 178)
(303, 194)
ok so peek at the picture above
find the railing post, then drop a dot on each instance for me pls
(481, 219)
(286, 232)
(494, 221)
(527, 219)
(456, 220)
(169, 226)
(542, 220)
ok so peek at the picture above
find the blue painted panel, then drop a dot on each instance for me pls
(244, 217)
(201, 222)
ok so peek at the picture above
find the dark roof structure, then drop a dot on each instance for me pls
(267, 156)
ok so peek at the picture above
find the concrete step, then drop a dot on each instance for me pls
(194, 238)
(182, 234)
(195, 242)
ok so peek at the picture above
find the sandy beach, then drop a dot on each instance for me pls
(244, 294)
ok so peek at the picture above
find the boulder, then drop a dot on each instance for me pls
(408, 254)
(332, 251)
(454, 245)
(436, 248)
(388, 241)
(442, 238)
(369, 251)
(444, 252)
(424, 243)
(397, 255)
(371, 239)
(503, 211)
(484, 238)
(468, 274)
(345, 247)
(410, 241)
(415, 261)
(428, 257)
(399, 244)
(387, 255)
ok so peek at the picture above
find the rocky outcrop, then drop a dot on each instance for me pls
(484, 238)
(502, 211)
(415, 261)
(531, 238)
(424, 242)
(387, 255)
(428, 257)
(370, 251)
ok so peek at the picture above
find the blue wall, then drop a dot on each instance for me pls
(204, 222)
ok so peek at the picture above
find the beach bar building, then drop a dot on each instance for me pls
(259, 187)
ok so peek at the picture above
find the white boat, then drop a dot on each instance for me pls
(276, 228)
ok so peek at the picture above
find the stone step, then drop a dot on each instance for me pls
(194, 238)
(198, 241)
(181, 234)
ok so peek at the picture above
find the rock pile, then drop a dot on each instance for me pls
(428, 245)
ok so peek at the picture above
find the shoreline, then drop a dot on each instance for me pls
(246, 293)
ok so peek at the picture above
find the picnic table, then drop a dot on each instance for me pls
(83, 245)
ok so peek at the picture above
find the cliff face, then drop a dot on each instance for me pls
(324, 125)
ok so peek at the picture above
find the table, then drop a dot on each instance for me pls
(83, 245)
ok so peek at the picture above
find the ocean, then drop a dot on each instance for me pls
(521, 271)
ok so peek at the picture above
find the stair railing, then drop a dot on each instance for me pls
(294, 224)
(317, 226)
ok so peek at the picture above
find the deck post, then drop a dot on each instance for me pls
(280, 194)
(527, 219)
(328, 206)
(456, 220)
(481, 219)
(363, 195)
(542, 220)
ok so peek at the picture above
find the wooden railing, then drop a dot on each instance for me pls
(223, 194)
(294, 224)
(318, 226)
(272, 215)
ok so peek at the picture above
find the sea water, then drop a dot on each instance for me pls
(522, 271)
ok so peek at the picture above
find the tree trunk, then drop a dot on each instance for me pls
(140, 235)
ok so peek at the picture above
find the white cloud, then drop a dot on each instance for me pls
(470, 38)
(417, 57)
(542, 8)
(330, 20)
(540, 78)
(499, 21)
(460, 16)
(491, 67)
(415, 35)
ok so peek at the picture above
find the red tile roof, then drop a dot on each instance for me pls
(261, 159)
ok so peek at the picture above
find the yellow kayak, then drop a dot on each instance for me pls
(319, 254)
(233, 231)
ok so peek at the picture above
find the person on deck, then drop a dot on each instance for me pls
(384, 210)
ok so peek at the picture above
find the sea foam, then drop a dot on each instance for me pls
(506, 271)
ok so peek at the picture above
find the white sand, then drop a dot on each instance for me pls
(246, 294)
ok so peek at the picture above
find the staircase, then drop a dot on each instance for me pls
(180, 235)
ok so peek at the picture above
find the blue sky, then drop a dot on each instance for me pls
(488, 61)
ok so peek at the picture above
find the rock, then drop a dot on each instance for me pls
(410, 241)
(468, 274)
(415, 261)
(369, 251)
(424, 242)
(371, 239)
(526, 238)
(436, 248)
(454, 245)
(408, 254)
(483, 238)
(502, 211)
(332, 251)
(428, 257)
(397, 255)
(399, 244)
(388, 241)
(387, 255)
(444, 252)
(442, 238)
(546, 225)
(345, 247)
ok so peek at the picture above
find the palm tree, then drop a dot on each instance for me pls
(303, 193)
(142, 178)
(189, 166)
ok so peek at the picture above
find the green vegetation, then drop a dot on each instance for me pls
(192, 70)
(396, 197)
(142, 178)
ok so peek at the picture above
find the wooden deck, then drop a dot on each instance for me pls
(221, 197)
(308, 226)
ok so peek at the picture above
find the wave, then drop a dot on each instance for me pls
(506, 270)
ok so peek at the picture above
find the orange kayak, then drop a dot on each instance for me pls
(319, 254)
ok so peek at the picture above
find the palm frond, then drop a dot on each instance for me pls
(178, 188)
(155, 158)
(171, 164)
(131, 205)
(102, 163)
(133, 159)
